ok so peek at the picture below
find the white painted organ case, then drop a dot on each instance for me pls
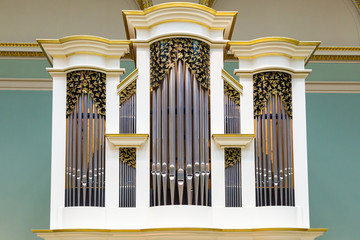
(179, 145)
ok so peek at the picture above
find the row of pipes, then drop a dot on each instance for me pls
(273, 156)
(127, 175)
(232, 173)
(180, 140)
(85, 156)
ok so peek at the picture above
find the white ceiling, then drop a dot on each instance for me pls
(334, 22)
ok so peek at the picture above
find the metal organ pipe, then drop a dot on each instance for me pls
(183, 106)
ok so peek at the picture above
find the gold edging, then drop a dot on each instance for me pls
(335, 58)
(180, 20)
(232, 79)
(21, 54)
(274, 39)
(233, 135)
(338, 48)
(19, 45)
(272, 54)
(127, 135)
(184, 229)
(183, 5)
(85, 38)
(357, 3)
(135, 72)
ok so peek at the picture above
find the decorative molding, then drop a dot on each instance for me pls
(232, 81)
(182, 233)
(169, 12)
(30, 84)
(335, 58)
(27, 54)
(143, 4)
(127, 81)
(208, 3)
(338, 49)
(19, 45)
(332, 87)
(127, 140)
(273, 46)
(233, 140)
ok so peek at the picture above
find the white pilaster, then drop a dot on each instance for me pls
(143, 126)
(300, 149)
(112, 153)
(217, 127)
(247, 154)
(58, 149)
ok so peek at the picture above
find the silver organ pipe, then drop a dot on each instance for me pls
(232, 168)
(127, 161)
(180, 109)
(273, 147)
(85, 154)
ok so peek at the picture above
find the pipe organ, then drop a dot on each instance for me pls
(179, 148)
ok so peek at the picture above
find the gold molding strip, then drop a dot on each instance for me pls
(338, 49)
(83, 37)
(274, 39)
(186, 229)
(181, 20)
(133, 74)
(30, 54)
(183, 4)
(143, 4)
(357, 3)
(19, 45)
(329, 58)
(207, 3)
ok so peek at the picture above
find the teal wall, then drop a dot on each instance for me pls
(333, 131)
(25, 145)
(333, 136)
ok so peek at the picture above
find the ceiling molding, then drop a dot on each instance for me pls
(208, 3)
(335, 58)
(332, 87)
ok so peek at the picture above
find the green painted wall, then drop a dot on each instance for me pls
(334, 72)
(24, 68)
(333, 136)
(25, 145)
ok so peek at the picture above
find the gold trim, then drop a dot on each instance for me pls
(338, 49)
(183, 5)
(185, 229)
(127, 135)
(233, 135)
(335, 58)
(232, 79)
(91, 68)
(83, 37)
(357, 3)
(184, 35)
(88, 53)
(180, 20)
(274, 39)
(21, 54)
(127, 78)
(207, 3)
(19, 45)
(272, 54)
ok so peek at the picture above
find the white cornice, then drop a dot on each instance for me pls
(273, 46)
(179, 12)
(83, 45)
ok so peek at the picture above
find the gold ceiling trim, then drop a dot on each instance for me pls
(207, 3)
(338, 49)
(19, 45)
(184, 4)
(185, 229)
(329, 58)
(29, 54)
(143, 4)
